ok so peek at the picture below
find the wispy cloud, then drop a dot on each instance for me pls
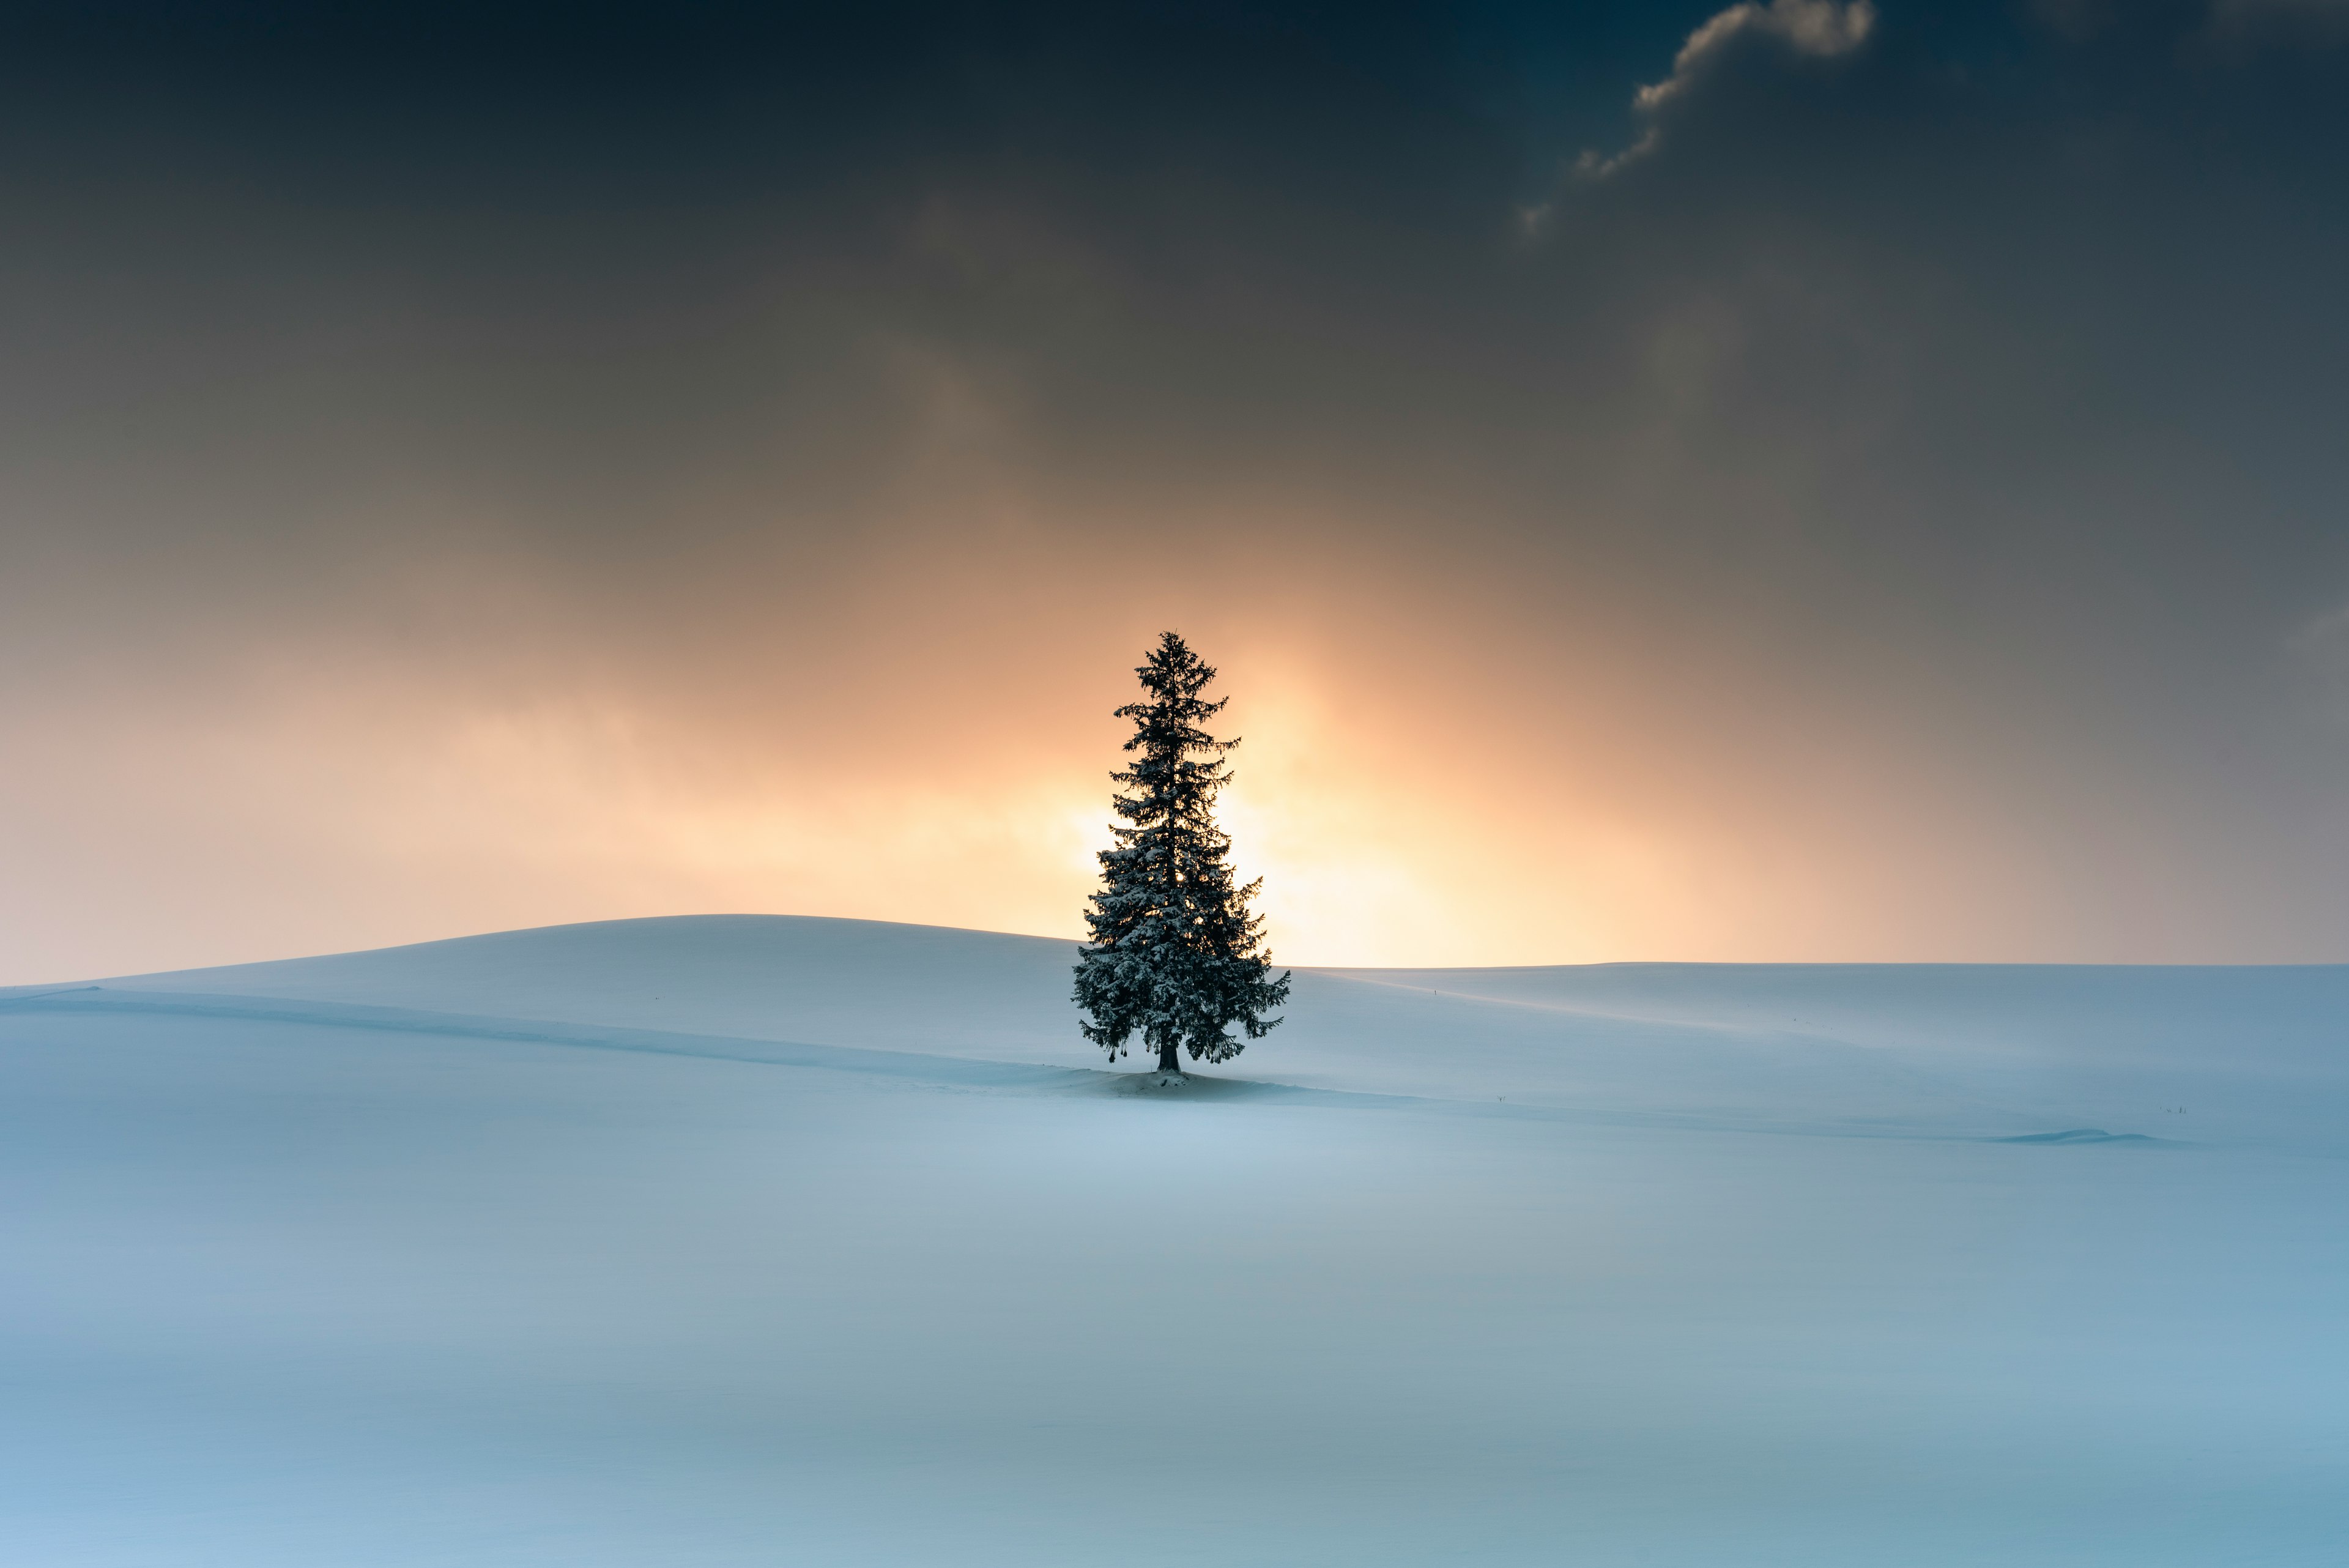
(1818, 29)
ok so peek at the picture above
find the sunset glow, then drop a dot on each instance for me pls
(1600, 566)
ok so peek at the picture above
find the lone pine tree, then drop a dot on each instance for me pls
(1174, 954)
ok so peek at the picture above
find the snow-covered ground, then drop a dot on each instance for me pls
(745, 1241)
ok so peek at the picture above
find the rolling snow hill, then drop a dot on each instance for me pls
(2250, 1054)
(748, 1240)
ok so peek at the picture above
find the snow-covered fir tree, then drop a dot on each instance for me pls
(1175, 955)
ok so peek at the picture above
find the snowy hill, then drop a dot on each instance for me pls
(2250, 1053)
(739, 1240)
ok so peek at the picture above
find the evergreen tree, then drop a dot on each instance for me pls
(1174, 954)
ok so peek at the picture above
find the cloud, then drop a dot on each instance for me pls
(1873, 535)
(1817, 29)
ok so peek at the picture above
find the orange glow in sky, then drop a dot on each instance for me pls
(1440, 767)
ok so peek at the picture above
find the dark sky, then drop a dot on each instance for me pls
(1790, 482)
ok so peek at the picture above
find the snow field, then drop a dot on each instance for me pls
(477, 1254)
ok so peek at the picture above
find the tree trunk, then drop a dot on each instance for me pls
(1169, 1058)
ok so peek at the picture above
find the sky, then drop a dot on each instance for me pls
(1784, 482)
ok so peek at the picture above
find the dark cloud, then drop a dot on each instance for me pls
(1930, 408)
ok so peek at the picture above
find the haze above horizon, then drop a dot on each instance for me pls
(1792, 482)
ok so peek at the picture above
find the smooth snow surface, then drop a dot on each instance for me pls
(739, 1240)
